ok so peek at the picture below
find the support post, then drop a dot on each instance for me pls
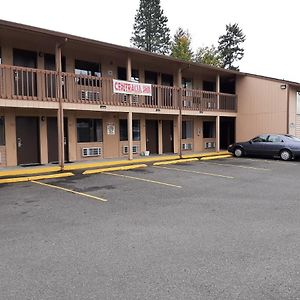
(218, 91)
(179, 85)
(60, 112)
(129, 119)
(129, 128)
(217, 133)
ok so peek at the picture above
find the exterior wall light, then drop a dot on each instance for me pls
(283, 86)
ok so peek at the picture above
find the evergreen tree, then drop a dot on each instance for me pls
(230, 46)
(150, 30)
(181, 45)
(209, 56)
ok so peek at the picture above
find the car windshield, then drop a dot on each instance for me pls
(291, 137)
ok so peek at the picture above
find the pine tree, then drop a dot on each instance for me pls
(229, 46)
(181, 45)
(150, 30)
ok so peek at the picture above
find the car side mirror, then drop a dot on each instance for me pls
(250, 142)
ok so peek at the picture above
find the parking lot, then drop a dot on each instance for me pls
(219, 229)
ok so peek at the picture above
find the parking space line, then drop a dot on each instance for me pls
(143, 179)
(272, 161)
(195, 172)
(238, 166)
(70, 191)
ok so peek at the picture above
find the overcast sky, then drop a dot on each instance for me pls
(272, 27)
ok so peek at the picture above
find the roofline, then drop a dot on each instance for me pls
(292, 83)
(64, 36)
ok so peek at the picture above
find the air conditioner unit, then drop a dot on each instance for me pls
(90, 95)
(209, 145)
(125, 150)
(186, 146)
(93, 151)
(135, 149)
(187, 103)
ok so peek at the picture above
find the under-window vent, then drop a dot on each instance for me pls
(209, 145)
(188, 146)
(93, 151)
(135, 149)
(90, 95)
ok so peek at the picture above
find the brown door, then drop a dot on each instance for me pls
(167, 133)
(152, 136)
(52, 136)
(25, 81)
(28, 142)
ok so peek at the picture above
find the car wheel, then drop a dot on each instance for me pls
(285, 154)
(238, 152)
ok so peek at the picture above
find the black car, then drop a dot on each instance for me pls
(283, 145)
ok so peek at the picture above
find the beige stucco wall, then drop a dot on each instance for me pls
(262, 107)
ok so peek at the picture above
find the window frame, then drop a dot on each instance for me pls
(187, 130)
(123, 130)
(95, 130)
(2, 131)
(209, 133)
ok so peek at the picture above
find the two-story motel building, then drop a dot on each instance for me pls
(57, 101)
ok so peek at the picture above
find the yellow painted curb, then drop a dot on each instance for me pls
(36, 170)
(200, 155)
(172, 162)
(117, 163)
(122, 168)
(31, 178)
(215, 157)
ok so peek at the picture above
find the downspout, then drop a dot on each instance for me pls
(288, 110)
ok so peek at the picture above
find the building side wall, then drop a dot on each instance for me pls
(262, 107)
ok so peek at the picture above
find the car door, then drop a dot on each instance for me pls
(257, 145)
(274, 145)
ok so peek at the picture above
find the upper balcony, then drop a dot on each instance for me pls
(19, 83)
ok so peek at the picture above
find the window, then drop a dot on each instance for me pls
(274, 139)
(150, 77)
(167, 79)
(187, 83)
(209, 86)
(2, 132)
(260, 139)
(136, 131)
(89, 130)
(187, 129)
(87, 68)
(122, 74)
(209, 129)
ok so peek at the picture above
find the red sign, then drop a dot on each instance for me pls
(131, 88)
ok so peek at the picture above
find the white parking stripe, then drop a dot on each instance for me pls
(237, 166)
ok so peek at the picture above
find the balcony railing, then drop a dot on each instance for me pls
(41, 85)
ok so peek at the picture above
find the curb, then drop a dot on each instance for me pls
(31, 178)
(10, 173)
(173, 162)
(123, 168)
(215, 157)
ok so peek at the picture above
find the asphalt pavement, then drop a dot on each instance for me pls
(222, 229)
